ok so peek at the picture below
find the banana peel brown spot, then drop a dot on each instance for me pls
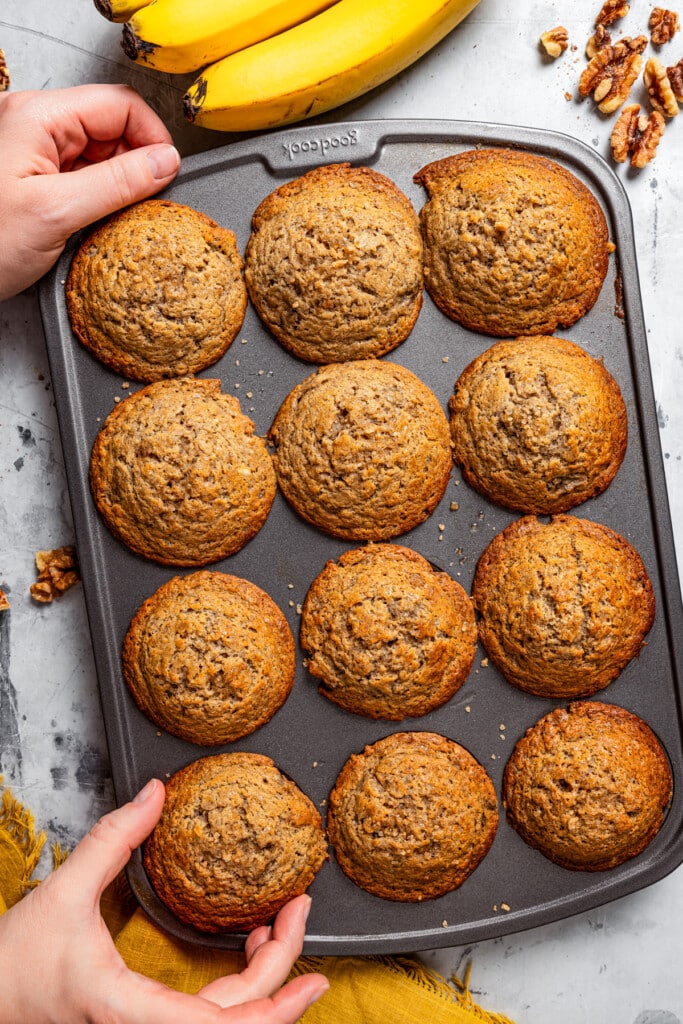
(134, 47)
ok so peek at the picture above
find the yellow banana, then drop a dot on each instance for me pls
(119, 10)
(185, 35)
(319, 64)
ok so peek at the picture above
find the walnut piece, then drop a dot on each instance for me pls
(663, 25)
(4, 603)
(555, 41)
(596, 42)
(612, 72)
(637, 135)
(659, 89)
(57, 571)
(611, 11)
(675, 76)
(4, 73)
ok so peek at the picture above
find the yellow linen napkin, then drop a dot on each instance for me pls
(363, 990)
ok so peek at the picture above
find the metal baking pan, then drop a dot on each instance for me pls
(310, 738)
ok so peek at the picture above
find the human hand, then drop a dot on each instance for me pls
(69, 157)
(60, 966)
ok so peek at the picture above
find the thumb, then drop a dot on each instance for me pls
(80, 197)
(104, 851)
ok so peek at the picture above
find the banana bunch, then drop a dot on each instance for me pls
(268, 63)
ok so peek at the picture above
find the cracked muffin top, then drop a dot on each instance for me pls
(334, 264)
(563, 606)
(209, 657)
(412, 816)
(538, 425)
(387, 634)
(236, 841)
(157, 291)
(178, 474)
(588, 786)
(362, 449)
(514, 243)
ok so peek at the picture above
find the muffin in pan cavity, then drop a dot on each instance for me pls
(157, 291)
(412, 816)
(588, 786)
(514, 242)
(178, 474)
(538, 424)
(563, 605)
(236, 840)
(387, 635)
(334, 264)
(362, 449)
(209, 657)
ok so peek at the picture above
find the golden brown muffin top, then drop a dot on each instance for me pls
(236, 840)
(564, 606)
(362, 449)
(514, 242)
(178, 474)
(209, 657)
(157, 291)
(334, 264)
(588, 786)
(538, 424)
(412, 816)
(387, 634)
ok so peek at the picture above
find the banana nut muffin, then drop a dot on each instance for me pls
(209, 657)
(412, 816)
(563, 605)
(514, 243)
(334, 264)
(388, 635)
(178, 474)
(236, 840)
(538, 424)
(588, 786)
(362, 449)
(157, 291)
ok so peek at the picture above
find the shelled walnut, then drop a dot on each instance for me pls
(663, 25)
(659, 90)
(675, 76)
(636, 135)
(57, 571)
(555, 41)
(4, 602)
(600, 38)
(611, 11)
(611, 73)
(4, 73)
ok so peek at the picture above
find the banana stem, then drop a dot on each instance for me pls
(119, 10)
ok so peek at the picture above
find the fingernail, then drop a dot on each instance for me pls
(321, 992)
(164, 161)
(145, 792)
(307, 907)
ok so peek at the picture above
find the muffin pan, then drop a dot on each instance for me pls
(309, 738)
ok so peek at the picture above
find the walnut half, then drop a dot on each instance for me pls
(555, 41)
(611, 11)
(675, 76)
(596, 42)
(659, 90)
(611, 73)
(663, 25)
(4, 73)
(636, 135)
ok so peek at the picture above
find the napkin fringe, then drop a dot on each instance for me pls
(456, 991)
(18, 825)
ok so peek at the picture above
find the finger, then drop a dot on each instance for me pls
(256, 939)
(270, 962)
(104, 851)
(77, 198)
(101, 113)
(285, 1007)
